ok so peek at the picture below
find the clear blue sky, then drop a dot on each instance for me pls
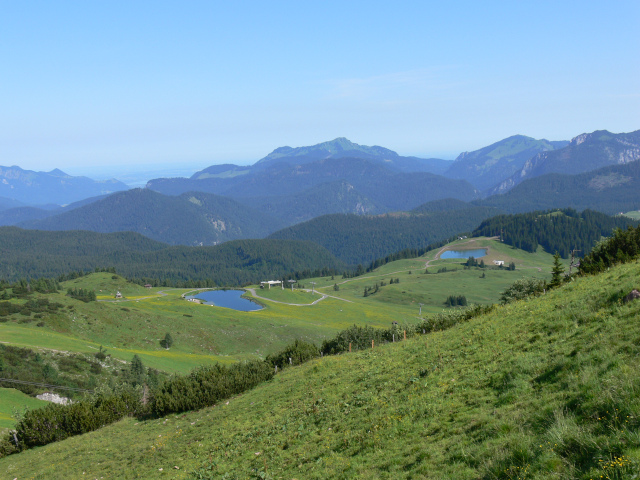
(118, 83)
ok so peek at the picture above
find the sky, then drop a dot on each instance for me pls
(123, 84)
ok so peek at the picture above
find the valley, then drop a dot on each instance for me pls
(523, 388)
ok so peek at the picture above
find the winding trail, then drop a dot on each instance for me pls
(253, 293)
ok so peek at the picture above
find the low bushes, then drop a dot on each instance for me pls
(206, 386)
(295, 354)
(57, 422)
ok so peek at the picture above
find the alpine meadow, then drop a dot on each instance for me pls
(320, 241)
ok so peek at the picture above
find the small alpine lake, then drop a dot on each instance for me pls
(227, 299)
(476, 253)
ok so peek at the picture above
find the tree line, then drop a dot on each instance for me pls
(559, 230)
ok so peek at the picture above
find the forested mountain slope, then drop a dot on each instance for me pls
(35, 254)
(391, 190)
(323, 199)
(555, 230)
(191, 219)
(611, 190)
(357, 239)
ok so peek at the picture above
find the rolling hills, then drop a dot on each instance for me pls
(191, 219)
(539, 388)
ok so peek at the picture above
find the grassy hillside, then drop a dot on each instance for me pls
(204, 334)
(635, 215)
(13, 401)
(541, 388)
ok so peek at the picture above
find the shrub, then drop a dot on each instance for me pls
(299, 352)
(206, 386)
(522, 289)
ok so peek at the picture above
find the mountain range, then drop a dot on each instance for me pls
(54, 187)
(486, 167)
(291, 186)
(584, 153)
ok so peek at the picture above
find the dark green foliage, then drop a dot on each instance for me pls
(361, 337)
(167, 341)
(57, 422)
(557, 271)
(82, 294)
(522, 289)
(450, 318)
(623, 246)
(456, 301)
(206, 386)
(101, 354)
(472, 262)
(37, 306)
(555, 230)
(136, 371)
(299, 352)
(610, 190)
(28, 366)
(336, 287)
(232, 263)
(362, 239)
(358, 337)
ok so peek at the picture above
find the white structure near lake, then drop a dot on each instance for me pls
(271, 282)
(498, 262)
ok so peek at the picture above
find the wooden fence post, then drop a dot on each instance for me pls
(371, 343)
(349, 347)
(405, 334)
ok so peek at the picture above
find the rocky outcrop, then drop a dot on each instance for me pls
(54, 398)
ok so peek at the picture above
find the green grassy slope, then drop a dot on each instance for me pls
(205, 334)
(13, 401)
(542, 388)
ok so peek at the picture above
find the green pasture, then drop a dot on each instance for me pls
(286, 295)
(13, 402)
(537, 389)
(635, 215)
(204, 334)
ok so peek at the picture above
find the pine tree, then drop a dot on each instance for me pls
(556, 271)
(167, 341)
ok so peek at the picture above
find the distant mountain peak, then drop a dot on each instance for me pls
(336, 148)
(56, 172)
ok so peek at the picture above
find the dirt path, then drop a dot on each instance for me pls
(253, 293)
